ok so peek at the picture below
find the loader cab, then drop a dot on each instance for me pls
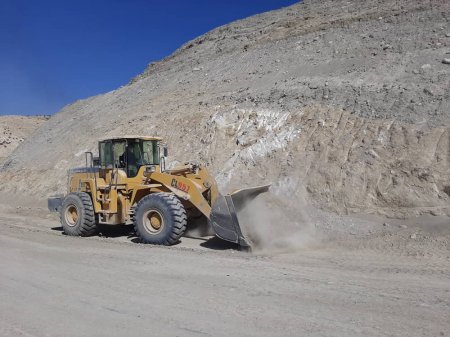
(129, 154)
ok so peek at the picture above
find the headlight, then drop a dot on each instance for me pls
(150, 169)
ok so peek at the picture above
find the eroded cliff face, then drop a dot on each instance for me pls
(345, 162)
(343, 102)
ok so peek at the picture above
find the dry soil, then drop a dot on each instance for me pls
(386, 281)
(15, 129)
(342, 105)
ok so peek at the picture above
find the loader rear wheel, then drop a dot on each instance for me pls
(77, 215)
(160, 219)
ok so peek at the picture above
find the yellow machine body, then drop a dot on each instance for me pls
(130, 168)
(113, 193)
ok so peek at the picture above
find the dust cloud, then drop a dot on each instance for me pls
(273, 225)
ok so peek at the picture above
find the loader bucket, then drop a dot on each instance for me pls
(224, 214)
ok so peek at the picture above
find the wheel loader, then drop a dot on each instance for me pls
(129, 183)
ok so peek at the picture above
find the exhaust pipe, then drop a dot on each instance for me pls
(224, 215)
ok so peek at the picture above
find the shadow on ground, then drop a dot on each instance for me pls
(218, 244)
(105, 231)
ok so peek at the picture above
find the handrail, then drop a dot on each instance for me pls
(87, 153)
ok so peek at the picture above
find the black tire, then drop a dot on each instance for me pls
(77, 215)
(160, 219)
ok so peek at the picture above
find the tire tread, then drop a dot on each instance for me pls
(88, 225)
(177, 212)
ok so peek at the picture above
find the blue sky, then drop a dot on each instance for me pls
(53, 52)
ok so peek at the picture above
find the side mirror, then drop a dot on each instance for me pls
(165, 151)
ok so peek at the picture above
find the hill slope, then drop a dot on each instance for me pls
(346, 102)
(14, 130)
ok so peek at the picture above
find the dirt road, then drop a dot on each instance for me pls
(54, 285)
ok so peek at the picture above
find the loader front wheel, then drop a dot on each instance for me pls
(160, 219)
(77, 215)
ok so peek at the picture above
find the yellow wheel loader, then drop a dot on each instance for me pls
(129, 183)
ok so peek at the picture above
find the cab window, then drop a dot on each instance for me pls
(106, 157)
(129, 155)
(139, 153)
(112, 154)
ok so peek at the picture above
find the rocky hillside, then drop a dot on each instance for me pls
(14, 130)
(345, 103)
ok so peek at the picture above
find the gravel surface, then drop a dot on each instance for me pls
(54, 285)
